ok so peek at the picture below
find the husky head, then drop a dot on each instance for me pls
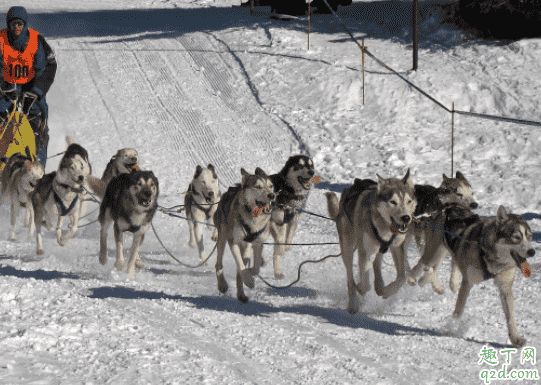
(258, 190)
(457, 190)
(144, 188)
(205, 183)
(396, 201)
(298, 171)
(127, 158)
(32, 172)
(74, 166)
(513, 238)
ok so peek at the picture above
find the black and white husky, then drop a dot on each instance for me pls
(129, 203)
(292, 186)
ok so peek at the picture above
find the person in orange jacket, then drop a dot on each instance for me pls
(28, 68)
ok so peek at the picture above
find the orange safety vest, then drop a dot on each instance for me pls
(19, 66)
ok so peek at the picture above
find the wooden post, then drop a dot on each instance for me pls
(452, 137)
(363, 72)
(309, 17)
(415, 28)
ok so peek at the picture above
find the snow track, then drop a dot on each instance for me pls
(191, 98)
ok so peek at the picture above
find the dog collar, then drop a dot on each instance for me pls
(250, 237)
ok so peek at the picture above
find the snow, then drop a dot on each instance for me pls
(197, 82)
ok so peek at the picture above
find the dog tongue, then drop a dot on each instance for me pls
(258, 210)
(526, 269)
(313, 180)
(136, 168)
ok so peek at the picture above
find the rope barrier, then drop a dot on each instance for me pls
(482, 116)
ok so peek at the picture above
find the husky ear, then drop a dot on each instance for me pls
(260, 172)
(460, 176)
(445, 177)
(211, 168)
(381, 182)
(27, 164)
(245, 174)
(407, 180)
(198, 171)
(502, 214)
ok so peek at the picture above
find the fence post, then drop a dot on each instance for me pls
(309, 18)
(452, 136)
(363, 71)
(415, 31)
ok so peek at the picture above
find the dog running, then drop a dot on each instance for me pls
(19, 179)
(292, 186)
(482, 249)
(371, 218)
(62, 193)
(201, 202)
(129, 204)
(242, 219)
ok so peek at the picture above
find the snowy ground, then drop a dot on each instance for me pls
(197, 82)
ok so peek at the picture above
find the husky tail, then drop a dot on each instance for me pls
(332, 204)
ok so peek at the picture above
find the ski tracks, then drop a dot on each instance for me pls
(189, 104)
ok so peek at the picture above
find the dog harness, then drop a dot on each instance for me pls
(63, 210)
(457, 220)
(250, 237)
(383, 245)
(192, 201)
(19, 66)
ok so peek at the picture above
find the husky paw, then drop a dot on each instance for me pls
(214, 236)
(119, 265)
(40, 252)
(222, 284)
(103, 258)
(278, 275)
(518, 341)
(438, 287)
(139, 264)
(353, 306)
(12, 238)
(203, 258)
(131, 274)
(248, 278)
(412, 281)
(363, 289)
(192, 244)
(454, 286)
(263, 260)
(242, 298)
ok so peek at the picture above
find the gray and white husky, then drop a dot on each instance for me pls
(201, 202)
(482, 249)
(370, 218)
(60, 194)
(242, 219)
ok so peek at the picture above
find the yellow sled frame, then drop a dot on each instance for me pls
(15, 136)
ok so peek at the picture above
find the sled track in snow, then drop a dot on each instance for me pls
(196, 100)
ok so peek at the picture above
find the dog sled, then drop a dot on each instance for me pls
(16, 133)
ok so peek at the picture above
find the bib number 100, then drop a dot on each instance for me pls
(18, 71)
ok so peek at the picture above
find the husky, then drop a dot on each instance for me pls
(483, 249)
(242, 219)
(292, 186)
(372, 217)
(430, 201)
(201, 202)
(19, 179)
(129, 203)
(122, 162)
(62, 193)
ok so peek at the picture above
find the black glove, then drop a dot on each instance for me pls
(28, 100)
(9, 91)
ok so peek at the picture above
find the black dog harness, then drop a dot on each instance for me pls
(250, 236)
(192, 201)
